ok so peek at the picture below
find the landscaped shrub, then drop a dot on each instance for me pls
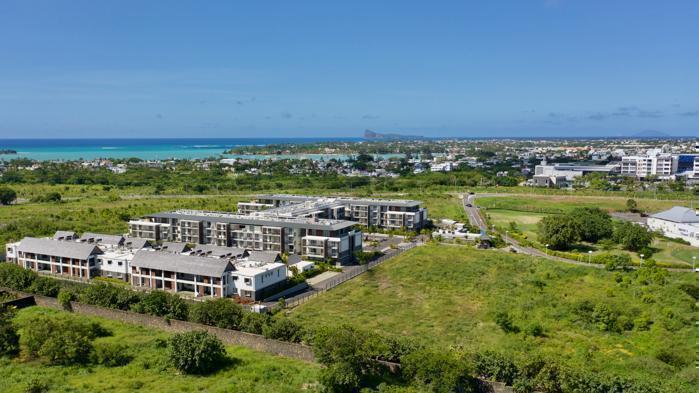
(339, 378)
(64, 298)
(219, 312)
(196, 352)
(284, 329)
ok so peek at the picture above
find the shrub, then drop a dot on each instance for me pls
(45, 286)
(111, 355)
(438, 371)
(253, 322)
(65, 297)
(110, 296)
(9, 340)
(283, 329)
(15, 277)
(196, 352)
(162, 304)
(220, 312)
(58, 339)
(631, 236)
(535, 329)
(339, 378)
(36, 385)
(495, 366)
(559, 232)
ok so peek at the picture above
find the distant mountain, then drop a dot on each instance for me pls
(369, 134)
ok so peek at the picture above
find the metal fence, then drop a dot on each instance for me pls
(349, 274)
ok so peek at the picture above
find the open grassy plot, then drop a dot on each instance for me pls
(526, 222)
(449, 296)
(248, 371)
(563, 203)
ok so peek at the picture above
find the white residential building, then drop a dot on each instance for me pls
(678, 222)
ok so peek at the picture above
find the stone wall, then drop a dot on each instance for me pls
(231, 337)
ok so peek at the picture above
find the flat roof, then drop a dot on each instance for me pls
(231, 218)
(344, 199)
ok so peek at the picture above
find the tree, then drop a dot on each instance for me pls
(631, 236)
(283, 329)
(162, 304)
(15, 277)
(594, 224)
(61, 339)
(253, 322)
(559, 232)
(219, 312)
(196, 352)
(437, 371)
(7, 195)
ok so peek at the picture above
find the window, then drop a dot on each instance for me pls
(109, 262)
(121, 263)
(248, 281)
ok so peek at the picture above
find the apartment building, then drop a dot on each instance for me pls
(201, 276)
(657, 163)
(370, 212)
(255, 276)
(60, 257)
(280, 233)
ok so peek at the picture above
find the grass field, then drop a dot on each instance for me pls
(528, 210)
(564, 203)
(249, 371)
(448, 296)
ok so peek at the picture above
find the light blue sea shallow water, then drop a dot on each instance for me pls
(152, 149)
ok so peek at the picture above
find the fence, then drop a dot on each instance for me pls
(351, 273)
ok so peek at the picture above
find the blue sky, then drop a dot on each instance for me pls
(325, 68)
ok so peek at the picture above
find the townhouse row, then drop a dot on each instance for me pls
(199, 271)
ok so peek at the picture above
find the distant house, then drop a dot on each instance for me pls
(678, 222)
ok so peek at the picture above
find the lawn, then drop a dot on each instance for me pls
(448, 297)
(249, 371)
(526, 222)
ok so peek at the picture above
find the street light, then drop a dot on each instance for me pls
(547, 249)
(641, 264)
(694, 263)
(589, 257)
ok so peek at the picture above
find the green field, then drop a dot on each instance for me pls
(448, 296)
(564, 203)
(527, 211)
(248, 371)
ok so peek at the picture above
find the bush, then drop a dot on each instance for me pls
(111, 355)
(15, 277)
(58, 339)
(437, 371)
(45, 286)
(631, 236)
(110, 296)
(64, 298)
(253, 322)
(162, 304)
(495, 366)
(196, 352)
(9, 340)
(35, 385)
(283, 329)
(220, 312)
(339, 378)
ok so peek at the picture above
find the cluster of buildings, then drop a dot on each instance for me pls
(219, 254)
